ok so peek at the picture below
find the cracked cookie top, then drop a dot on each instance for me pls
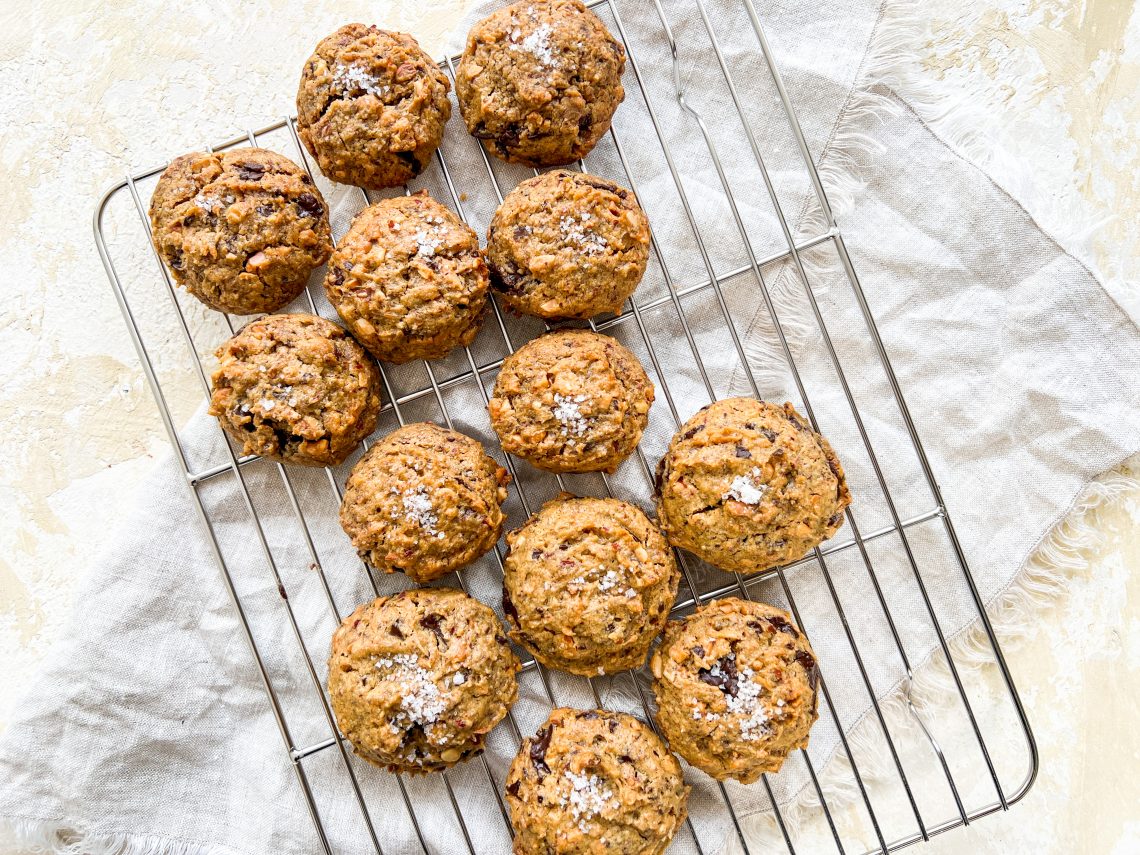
(409, 279)
(594, 781)
(418, 679)
(371, 106)
(240, 230)
(736, 688)
(567, 245)
(295, 388)
(539, 81)
(588, 584)
(747, 485)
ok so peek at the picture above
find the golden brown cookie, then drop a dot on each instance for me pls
(371, 106)
(571, 401)
(539, 81)
(240, 230)
(747, 485)
(424, 501)
(418, 679)
(295, 388)
(567, 245)
(409, 279)
(736, 688)
(594, 782)
(588, 584)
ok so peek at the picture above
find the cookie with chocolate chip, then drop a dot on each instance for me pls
(588, 584)
(241, 230)
(409, 279)
(418, 679)
(539, 81)
(594, 781)
(567, 245)
(571, 401)
(371, 106)
(295, 388)
(424, 501)
(736, 688)
(747, 485)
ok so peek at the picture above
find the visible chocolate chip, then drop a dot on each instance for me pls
(810, 666)
(395, 630)
(507, 281)
(741, 451)
(413, 162)
(176, 259)
(508, 607)
(535, 554)
(265, 210)
(513, 789)
(520, 232)
(584, 124)
(659, 477)
(250, 171)
(589, 715)
(698, 651)
(305, 179)
(624, 758)
(509, 137)
(769, 433)
(434, 622)
(336, 277)
(600, 184)
(835, 519)
(310, 205)
(612, 723)
(723, 675)
(833, 465)
(693, 431)
(538, 747)
(781, 625)
(795, 421)
(502, 640)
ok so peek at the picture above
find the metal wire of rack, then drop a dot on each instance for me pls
(858, 825)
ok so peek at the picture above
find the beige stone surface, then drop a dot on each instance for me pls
(88, 89)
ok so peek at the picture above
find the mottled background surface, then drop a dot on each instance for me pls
(1049, 90)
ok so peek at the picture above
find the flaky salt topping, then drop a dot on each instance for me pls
(568, 410)
(746, 702)
(588, 796)
(536, 43)
(577, 229)
(747, 488)
(347, 78)
(418, 508)
(421, 702)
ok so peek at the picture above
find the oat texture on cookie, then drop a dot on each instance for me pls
(418, 679)
(736, 686)
(241, 230)
(371, 106)
(594, 781)
(571, 401)
(747, 485)
(588, 584)
(539, 81)
(424, 501)
(567, 245)
(296, 388)
(409, 279)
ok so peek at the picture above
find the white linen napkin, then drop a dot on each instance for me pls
(149, 730)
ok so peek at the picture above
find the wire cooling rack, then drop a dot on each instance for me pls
(891, 787)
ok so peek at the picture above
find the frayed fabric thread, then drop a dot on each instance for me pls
(26, 836)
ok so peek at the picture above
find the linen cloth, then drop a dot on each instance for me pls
(150, 725)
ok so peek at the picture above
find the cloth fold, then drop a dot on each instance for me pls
(150, 731)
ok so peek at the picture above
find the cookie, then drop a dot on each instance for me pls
(588, 584)
(371, 106)
(424, 501)
(567, 245)
(736, 688)
(240, 230)
(418, 679)
(295, 388)
(539, 81)
(747, 485)
(571, 401)
(409, 279)
(591, 782)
